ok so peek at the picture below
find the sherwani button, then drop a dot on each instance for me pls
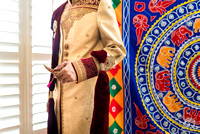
(66, 53)
(66, 46)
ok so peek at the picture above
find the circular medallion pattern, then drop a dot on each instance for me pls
(194, 71)
(168, 70)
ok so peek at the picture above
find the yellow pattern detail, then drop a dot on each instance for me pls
(148, 65)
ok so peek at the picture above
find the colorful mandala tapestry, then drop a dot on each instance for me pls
(162, 69)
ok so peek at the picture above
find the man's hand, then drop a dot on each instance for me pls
(66, 72)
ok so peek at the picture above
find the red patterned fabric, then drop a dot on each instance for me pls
(114, 70)
(115, 108)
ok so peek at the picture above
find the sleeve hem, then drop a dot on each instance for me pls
(86, 68)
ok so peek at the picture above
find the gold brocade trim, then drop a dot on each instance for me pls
(75, 14)
(97, 64)
(80, 70)
(75, 1)
(106, 66)
(95, 7)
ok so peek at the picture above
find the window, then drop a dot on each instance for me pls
(25, 45)
(9, 67)
(41, 52)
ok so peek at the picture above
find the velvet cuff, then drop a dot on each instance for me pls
(87, 68)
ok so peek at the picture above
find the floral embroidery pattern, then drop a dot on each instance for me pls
(110, 61)
(71, 17)
(54, 28)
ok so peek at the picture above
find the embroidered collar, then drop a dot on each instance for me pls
(73, 1)
(80, 2)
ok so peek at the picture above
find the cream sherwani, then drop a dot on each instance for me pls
(86, 25)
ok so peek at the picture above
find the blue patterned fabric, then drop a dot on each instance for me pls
(161, 72)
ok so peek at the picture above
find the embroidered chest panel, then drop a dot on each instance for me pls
(75, 12)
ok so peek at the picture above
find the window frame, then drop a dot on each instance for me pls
(25, 67)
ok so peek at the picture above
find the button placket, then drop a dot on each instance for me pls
(66, 46)
(66, 54)
(65, 59)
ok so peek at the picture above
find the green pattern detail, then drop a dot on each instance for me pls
(115, 129)
(116, 3)
(114, 87)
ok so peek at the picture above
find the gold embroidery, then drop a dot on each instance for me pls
(80, 70)
(75, 1)
(73, 15)
(110, 61)
(86, 6)
(107, 65)
(82, 2)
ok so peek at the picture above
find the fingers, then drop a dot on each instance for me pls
(62, 77)
(66, 73)
(60, 66)
(62, 74)
(59, 74)
(67, 80)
